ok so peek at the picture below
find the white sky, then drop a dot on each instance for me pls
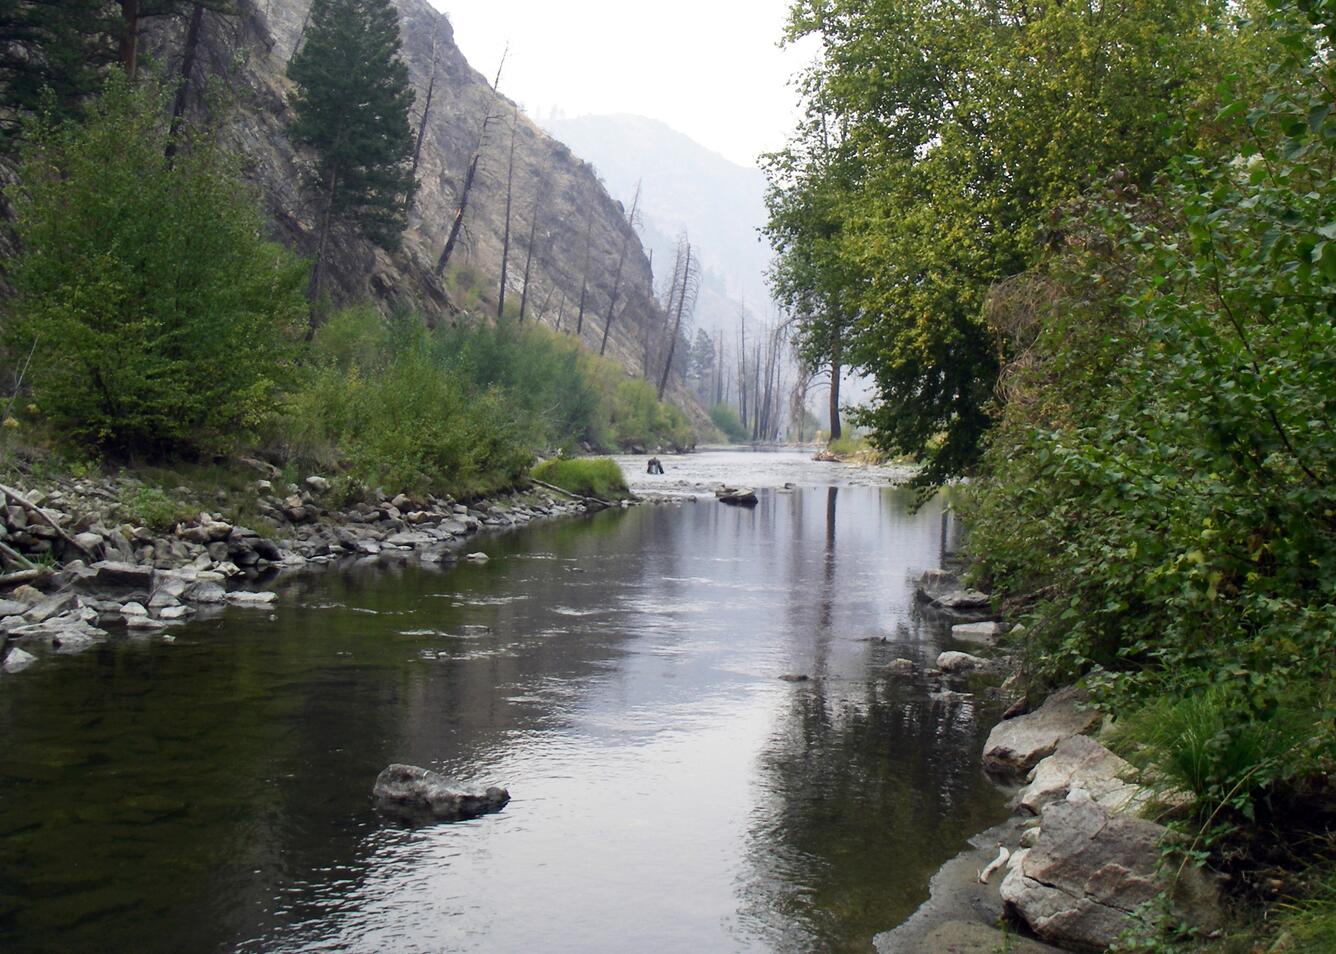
(709, 68)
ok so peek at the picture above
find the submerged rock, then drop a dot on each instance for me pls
(737, 496)
(416, 792)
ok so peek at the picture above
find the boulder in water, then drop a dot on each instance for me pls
(737, 496)
(419, 793)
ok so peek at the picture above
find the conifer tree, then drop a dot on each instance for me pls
(351, 106)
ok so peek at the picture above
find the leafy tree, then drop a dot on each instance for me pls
(156, 312)
(351, 107)
(1168, 450)
(949, 133)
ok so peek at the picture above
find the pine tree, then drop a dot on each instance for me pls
(351, 106)
(54, 55)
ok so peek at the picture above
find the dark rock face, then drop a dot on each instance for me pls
(418, 794)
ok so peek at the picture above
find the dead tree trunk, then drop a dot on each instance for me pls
(472, 174)
(687, 292)
(617, 278)
(183, 88)
(505, 238)
(584, 279)
(426, 105)
(540, 193)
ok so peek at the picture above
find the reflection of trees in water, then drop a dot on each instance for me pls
(867, 788)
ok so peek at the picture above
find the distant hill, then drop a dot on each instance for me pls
(685, 186)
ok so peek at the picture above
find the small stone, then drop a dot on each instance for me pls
(795, 677)
(317, 485)
(17, 661)
(960, 662)
(985, 634)
(133, 610)
(250, 598)
(416, 792)
(477, 557)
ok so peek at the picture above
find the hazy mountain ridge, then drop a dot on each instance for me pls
(685, 186)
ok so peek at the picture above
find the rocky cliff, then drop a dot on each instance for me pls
(250, 53)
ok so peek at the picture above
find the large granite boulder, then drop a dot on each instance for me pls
(1017, 745)
(1091, 869)
(1081, 763)
(418, 793)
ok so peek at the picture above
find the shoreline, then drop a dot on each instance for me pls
(94, 577)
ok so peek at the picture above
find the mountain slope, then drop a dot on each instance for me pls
(250, 52)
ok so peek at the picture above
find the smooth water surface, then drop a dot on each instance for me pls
(670, 791)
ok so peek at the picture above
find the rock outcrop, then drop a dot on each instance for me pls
(417, 792)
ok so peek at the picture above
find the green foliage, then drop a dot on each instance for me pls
(1160, 492)
(598, 477)
(53, 56)
(351, 107)
(939, 139)
(726, 419)
(159, 314)
(377, 402)
(151, 507)
(458, 409)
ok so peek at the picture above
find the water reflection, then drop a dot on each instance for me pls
(620, 674)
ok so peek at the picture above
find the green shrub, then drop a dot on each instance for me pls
(726, 419)
(151, 507)
(161, 318)
(598, 477)
(378, 402)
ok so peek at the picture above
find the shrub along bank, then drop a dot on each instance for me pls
(1159, 501)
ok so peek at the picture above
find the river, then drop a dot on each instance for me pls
(620, 674)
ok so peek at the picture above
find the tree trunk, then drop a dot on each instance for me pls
(459, 216)
(617, 279)
(317, 267)
(677, 324)
(528, 254)
(836, 369)
(183, 89)
(129, 44)
(426, 108)
(584, 276)
(505, 238)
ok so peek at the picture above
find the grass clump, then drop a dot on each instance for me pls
(589, 477)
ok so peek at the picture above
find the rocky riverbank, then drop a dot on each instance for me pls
(83, 571)
(1077, 867)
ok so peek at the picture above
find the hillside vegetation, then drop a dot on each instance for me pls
(152, 321)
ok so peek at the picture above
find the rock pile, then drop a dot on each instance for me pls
(85, 571)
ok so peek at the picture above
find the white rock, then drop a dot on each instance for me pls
(250, 598)
(133, 610)
(960, 662)
(477, 558)
(985, 634)
(17, 661)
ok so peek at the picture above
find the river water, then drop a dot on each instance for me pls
(621, 674)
